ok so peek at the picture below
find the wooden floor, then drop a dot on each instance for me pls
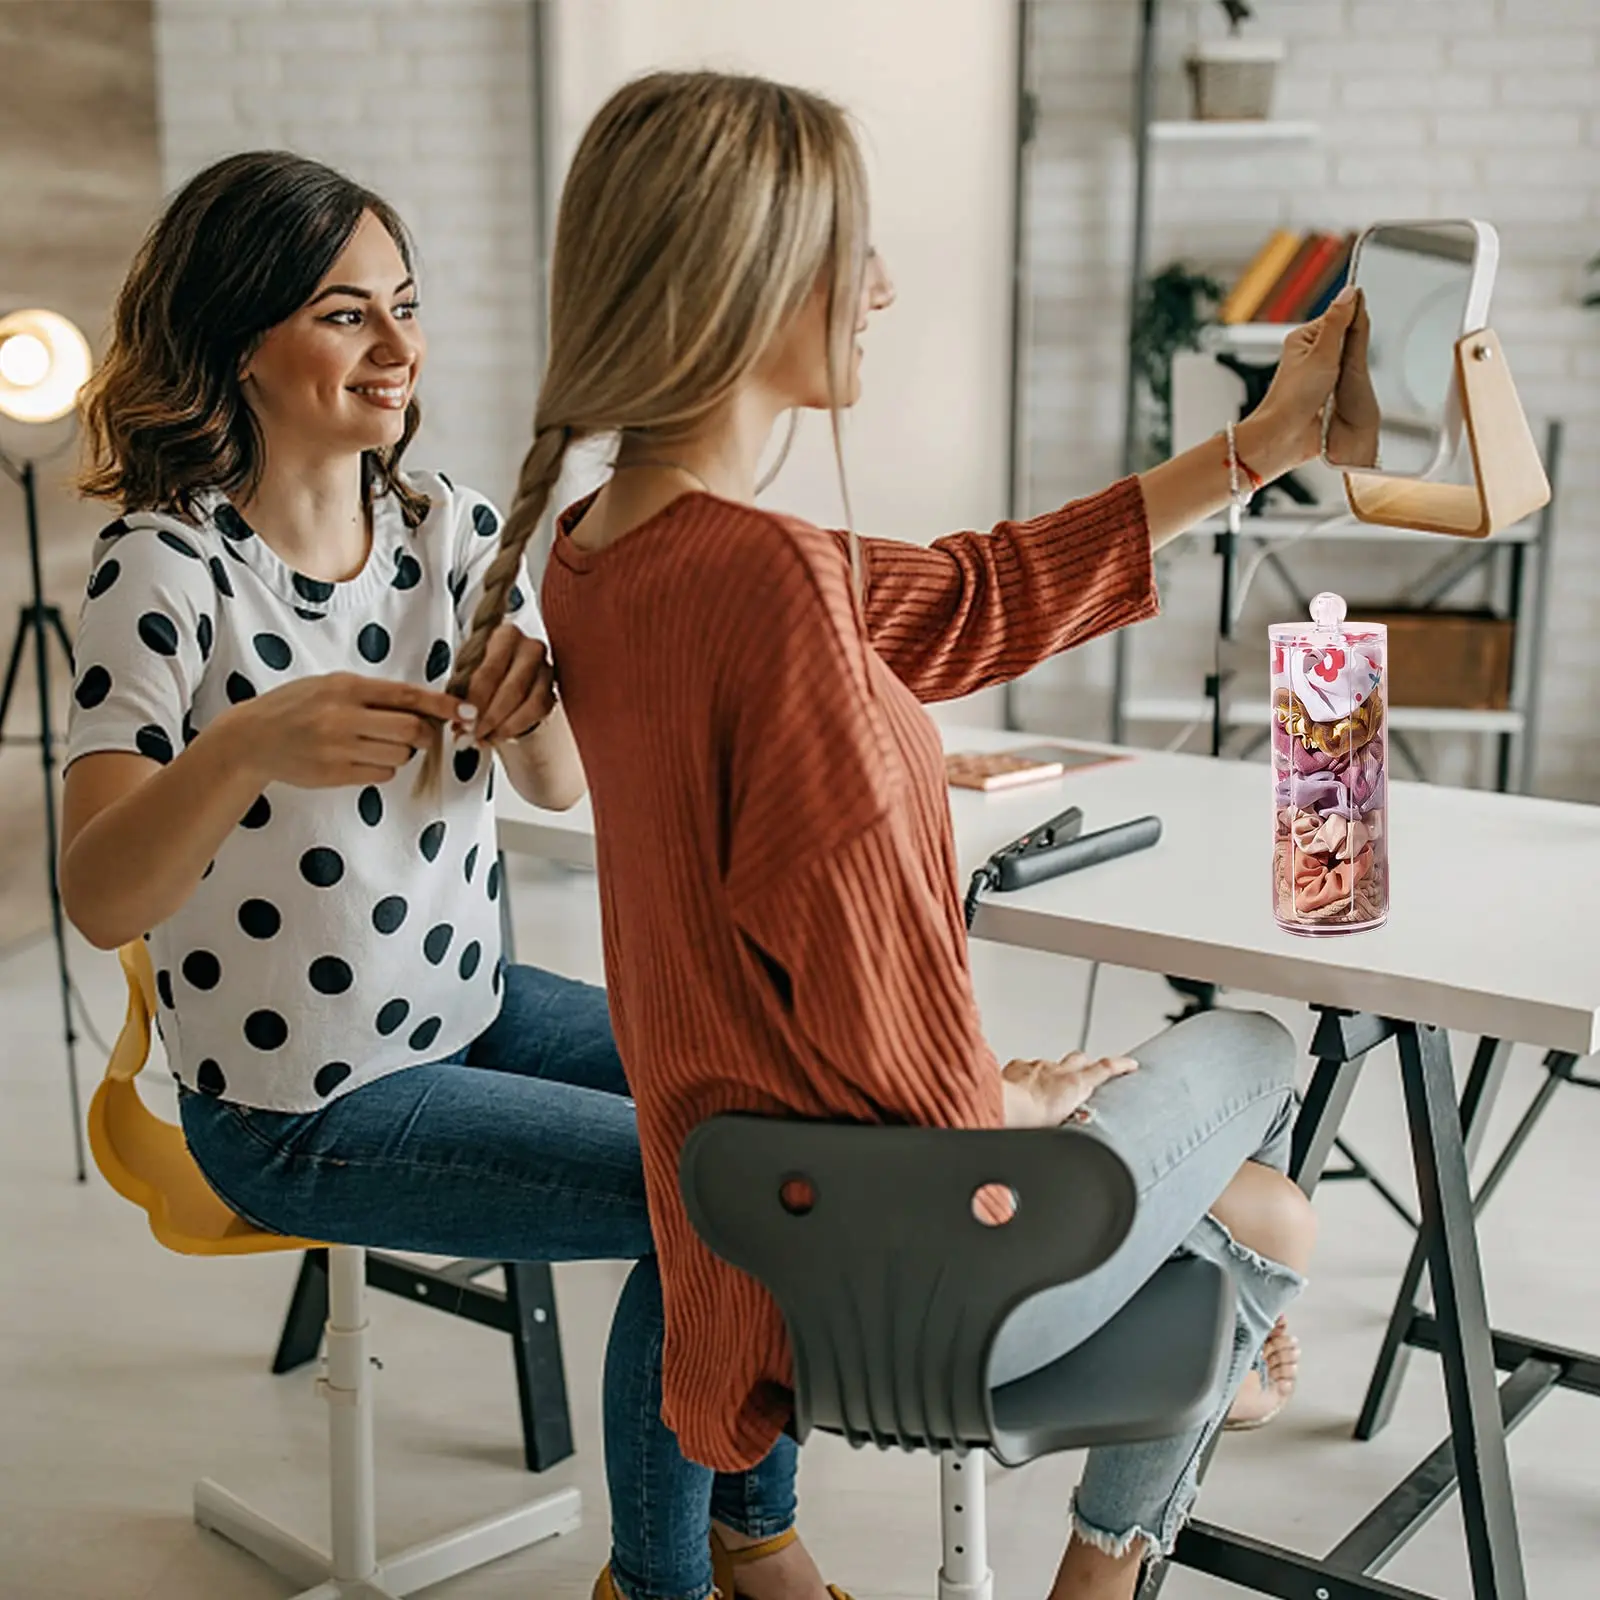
(125, 1372)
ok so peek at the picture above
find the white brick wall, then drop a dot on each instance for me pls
(1488, 108)
(429, 102)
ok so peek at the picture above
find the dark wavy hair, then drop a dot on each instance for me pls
(240, 248)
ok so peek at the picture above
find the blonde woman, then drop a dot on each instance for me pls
(782, 927)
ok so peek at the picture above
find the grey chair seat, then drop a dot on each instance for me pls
(895, 1275)
(1157, 1368)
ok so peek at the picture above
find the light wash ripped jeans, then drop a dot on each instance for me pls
(1210, 1094)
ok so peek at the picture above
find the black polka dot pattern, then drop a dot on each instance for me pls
(266, 1030)
(391, 1015)
(201, 970)
(322, 867)
(274, 650)
(516, 600)
(158, 632)
(373, 642)
(114, 530)
(298, 970)
(329, 1078)
(92, 688)
(230, 524)
(154, 742)
(499, 973)
(330, 975)
(389, 913)
(176, 541)
(260, 919)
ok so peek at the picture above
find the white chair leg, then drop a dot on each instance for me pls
(348, 1391)
(464, 1549)
(353, 1572)
(963, 1528)
(225, 1513)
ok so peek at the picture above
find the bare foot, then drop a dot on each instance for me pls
(787, 1574)
(1258, 1403)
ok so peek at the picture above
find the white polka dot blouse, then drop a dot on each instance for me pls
(340, 934)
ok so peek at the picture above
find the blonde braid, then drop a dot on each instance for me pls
(541, 468)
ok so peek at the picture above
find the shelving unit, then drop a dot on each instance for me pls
(1267, 131)
(1518, 558)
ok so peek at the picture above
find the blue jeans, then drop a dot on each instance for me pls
(523, 1147)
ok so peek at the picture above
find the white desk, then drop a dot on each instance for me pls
(1491, 929)
(1488, 934)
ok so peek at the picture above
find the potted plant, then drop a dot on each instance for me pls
(1174, 306)
(1233, 77)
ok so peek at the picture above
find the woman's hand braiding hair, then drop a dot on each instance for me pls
(541, 468)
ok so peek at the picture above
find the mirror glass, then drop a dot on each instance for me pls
(1416, 280)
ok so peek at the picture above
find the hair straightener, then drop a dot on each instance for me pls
(1054, 847)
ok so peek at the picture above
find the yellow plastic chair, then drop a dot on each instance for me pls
(146, 1160)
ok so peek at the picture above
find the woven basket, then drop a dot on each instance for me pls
(1233, 79)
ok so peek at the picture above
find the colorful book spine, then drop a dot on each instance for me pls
(1333, 280)
(1294, 287)
(1257, 279)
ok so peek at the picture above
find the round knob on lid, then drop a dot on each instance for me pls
(1328, 609)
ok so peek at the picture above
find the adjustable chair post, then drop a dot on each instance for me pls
(963, 1528)
(348, 1391)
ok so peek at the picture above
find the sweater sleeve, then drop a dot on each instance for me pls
(834, 879)
(977, 609)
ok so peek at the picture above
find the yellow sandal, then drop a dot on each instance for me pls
(725, 1562)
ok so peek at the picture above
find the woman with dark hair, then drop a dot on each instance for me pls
(269, 631)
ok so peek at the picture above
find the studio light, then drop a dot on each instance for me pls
(44, 362)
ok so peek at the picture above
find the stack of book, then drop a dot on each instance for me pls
(1293, 278)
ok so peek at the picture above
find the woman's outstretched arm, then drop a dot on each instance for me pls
(973, 609)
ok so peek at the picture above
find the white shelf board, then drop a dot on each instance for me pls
(1415, 719)
(1246, 337)
(1254, 131)
(1289, 525)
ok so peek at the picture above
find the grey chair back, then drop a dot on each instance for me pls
(892, 1287)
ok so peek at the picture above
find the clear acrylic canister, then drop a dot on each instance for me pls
(1330, 765)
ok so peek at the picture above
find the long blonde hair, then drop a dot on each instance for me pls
(701, 211)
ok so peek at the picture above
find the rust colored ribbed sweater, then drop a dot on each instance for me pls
(781, 915)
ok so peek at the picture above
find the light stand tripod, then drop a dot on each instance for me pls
(41, 621)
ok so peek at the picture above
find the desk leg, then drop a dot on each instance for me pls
(1488, 1072)
(1465, 1340)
